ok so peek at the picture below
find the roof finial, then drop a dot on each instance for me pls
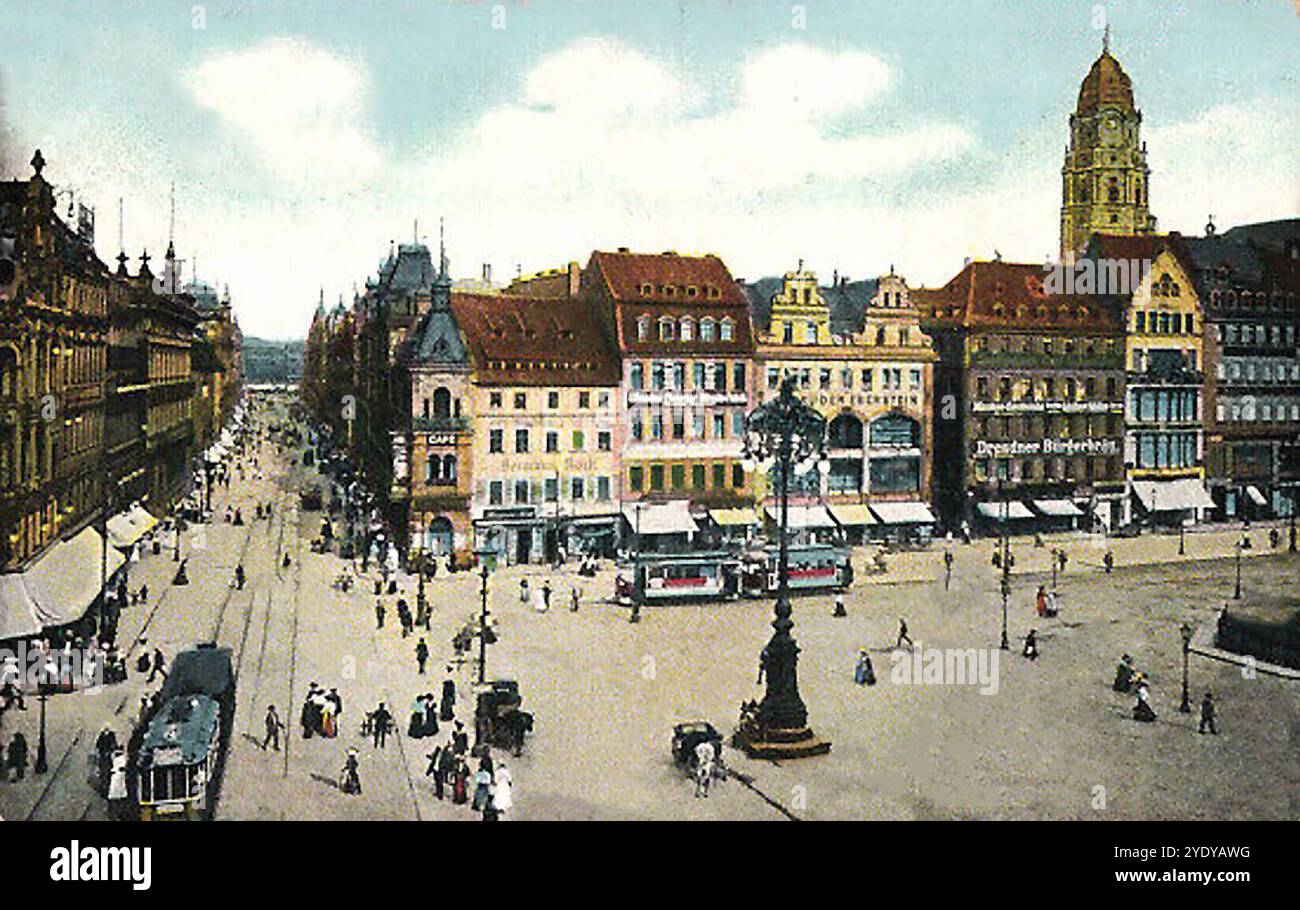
(1105, 40)
(1209, 227)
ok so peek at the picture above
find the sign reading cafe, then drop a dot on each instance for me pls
(985, 449)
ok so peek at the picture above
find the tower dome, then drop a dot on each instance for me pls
(1106, 85)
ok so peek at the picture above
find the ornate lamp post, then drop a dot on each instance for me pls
(1294, 499)
(1186, 631)
(1004, 583)
(638, 577)
(786, 432)
(482, 625)
(42, 761)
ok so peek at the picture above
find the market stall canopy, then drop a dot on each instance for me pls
(803, 517)
(853, 515)
(1012, 510)
(17, 612)
(903, 513)
(1057, 508)
(1172, 495)
(734, 518)
(661, 518)
(126, 528)
(65, 581)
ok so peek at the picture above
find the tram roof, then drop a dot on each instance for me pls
(180, 732)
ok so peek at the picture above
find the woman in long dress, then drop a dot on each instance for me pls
(539, 601)
(415, 729)
(503, 792)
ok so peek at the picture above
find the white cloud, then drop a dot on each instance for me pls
(299, 106)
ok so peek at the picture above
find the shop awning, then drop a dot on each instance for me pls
(661, 518)
(1057, 508)
(903, 513)
(17, 612)
(128, 527)
(812, 518)
(1011, 509)
(1172, 495)
(852, 515)
(1255, 496)
(65, 581)
(733, 518)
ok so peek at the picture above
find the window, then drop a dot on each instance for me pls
(602, 488)
(720, 377)
(604, 441)
(737, 476)
(579, 440)
(725, 329)
(643, 328)
(665, 329)
(719, 476)
(552, 400)
(635, 478)
(706, 329)
(914, 377)
(494, 399)
(584, 399)
(657, 376)
(687, 331)
(657, 477)
(521, 401)
(787, 333)
(635, 375)
(679, 423)
(773, 377)
(521, 491)
(577, 489)
(679, 376)
(657, 426)
(552, 442)
(738, 376)
(496, 441)
(697, 476)
(551, 489)
(719, 426)
(867, 379)
(496, 493)
(679, 476)
(738, 423)
(697, 425)
(810, 333)
(521, 440)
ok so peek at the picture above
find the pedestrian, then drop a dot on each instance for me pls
(447, 709)
(839, 611)
(1040, 601)
(1061, 560)
(105, 747)
(446, 770)
(1207, 714)
(864, 674)
(546, 593)
(523, 591)
(351, 774)
(380, 721)
(144, 593)
(1108, 561)
(902, 634)
(1030, 650)
(704, 757)
(503, 796)
(459, 739)
(156, 666)
(482, 785)
(379, 614)
(117, 804)
(273, 727)
(573, 608)
(309, 715)
(421, 655)
(18, 756)
(239, 576)
(947, 567)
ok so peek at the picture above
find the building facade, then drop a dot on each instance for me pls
(682, 328)
(1030, 409)
(544, 413)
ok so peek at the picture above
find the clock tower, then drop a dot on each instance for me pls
(1104, 182)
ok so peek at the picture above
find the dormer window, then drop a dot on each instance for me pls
(714, 293)
(666, 331)
(643, 328)
(687, 330)
(706, 329)
(725, 329)
(647, 290)
(692, 291)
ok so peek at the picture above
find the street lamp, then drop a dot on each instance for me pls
(42, 761)
(638, 578)
(1182, 537)
(789, 432)
(1237, 593)
(482, 625)
(1294, 499)
(1185, 707)
(1004, 585)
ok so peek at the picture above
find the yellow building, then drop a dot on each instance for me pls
(858, 355)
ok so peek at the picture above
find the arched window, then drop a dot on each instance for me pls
(431, 469)
(642, 328)
(845, 432)
(706, 329)
(725, 329)
(686, 331)
(449, 469)
(895, 430)
(442, 403)
(665, 329)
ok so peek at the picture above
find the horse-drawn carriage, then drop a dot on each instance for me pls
(505, 725)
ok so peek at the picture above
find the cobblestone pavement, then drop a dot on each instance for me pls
(1053, 741)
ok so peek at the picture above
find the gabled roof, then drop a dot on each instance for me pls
(534, 341)
(436, 341)
(666, 278)
(1143, 247)
(846, 300)
(1010, 295)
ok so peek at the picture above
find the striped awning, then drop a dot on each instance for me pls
(733, 518)
(852, 515)
(903, 513)
(800, 517)
(1011, 509)
(1057, 508)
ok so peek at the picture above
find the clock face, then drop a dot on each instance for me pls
(1110, 129)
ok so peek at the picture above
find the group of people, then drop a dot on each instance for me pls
(493, 787)
(320, 712)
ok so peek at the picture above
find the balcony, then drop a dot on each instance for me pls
(439, 424)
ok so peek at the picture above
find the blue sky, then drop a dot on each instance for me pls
(304, 136)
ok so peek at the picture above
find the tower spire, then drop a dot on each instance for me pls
(1105, 39)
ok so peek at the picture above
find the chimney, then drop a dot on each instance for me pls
(487, 273)
(575, 278)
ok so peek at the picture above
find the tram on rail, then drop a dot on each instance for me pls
(180, 747)
(679, 578)
(813, 568)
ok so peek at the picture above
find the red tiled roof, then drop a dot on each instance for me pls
(1009, 295)
(1106, 85)
(666, 278)
(534, 341)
